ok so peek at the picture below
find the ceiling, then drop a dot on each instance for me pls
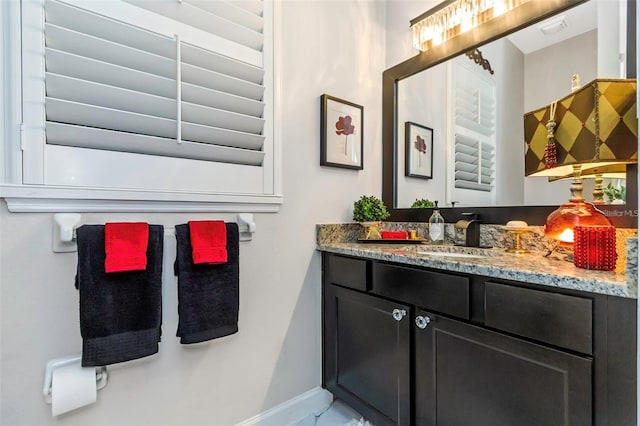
(572, 22)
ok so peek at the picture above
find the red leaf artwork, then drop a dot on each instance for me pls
(344, 127)
(420, 144)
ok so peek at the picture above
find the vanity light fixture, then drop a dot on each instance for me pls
(594, 127)
(454, 17)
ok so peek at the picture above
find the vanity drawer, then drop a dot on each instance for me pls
(433, 291)
(557, 319)
(347, 272)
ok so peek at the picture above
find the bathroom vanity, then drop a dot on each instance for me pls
(415, 337)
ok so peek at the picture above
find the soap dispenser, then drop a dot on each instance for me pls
(436, 226)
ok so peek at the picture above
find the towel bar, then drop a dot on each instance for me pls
(64, 232)
(246, 226)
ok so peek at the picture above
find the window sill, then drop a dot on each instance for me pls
(43, 199)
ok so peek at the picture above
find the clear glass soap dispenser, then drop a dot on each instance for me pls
(436, 226)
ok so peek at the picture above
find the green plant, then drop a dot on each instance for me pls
(422, 203)
(369, 209)
(612, 193)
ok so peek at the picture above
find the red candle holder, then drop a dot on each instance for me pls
(595, 247)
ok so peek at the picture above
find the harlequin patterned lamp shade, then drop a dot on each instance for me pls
(594, 125)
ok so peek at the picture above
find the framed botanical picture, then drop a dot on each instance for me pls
(418, 149)
(341, 140)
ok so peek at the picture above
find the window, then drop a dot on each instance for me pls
(162, 100)
(473, 136)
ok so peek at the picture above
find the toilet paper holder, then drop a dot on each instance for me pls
(101, 374)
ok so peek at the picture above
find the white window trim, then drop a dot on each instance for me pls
(454, 194)
(46, 198)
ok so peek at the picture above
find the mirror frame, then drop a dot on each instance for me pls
(534, 11)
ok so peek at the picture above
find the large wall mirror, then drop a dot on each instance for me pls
(530, 70)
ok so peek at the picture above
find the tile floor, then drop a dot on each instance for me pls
(337, 414)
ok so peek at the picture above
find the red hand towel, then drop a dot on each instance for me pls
(125, 246)
(394, 235)
(208, 241)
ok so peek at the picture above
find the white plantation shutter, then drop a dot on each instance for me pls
(474, 132)
(178, 95)
(118, 93)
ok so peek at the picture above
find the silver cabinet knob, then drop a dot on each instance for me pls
(398, 314)
(422, 322)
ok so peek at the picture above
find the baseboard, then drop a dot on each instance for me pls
(289, 412)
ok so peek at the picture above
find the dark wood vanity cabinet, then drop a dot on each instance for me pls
(413, 346)
(467, 375)
(371, 358)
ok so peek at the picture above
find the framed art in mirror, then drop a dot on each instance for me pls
(341, 138)
(418, 150)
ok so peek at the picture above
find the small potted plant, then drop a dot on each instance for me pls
(615, 195)
(422, 203)
(369, 211)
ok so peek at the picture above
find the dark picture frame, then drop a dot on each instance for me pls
(418, 150)
(341, 133)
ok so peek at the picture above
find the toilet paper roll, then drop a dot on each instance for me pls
(72, 386)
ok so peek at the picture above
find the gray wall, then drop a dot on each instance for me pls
(548, 77)
(276, 354)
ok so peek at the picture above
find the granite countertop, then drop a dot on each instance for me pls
(532, 268)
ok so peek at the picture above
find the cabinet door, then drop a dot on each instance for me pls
(367, 354)
(466, 375)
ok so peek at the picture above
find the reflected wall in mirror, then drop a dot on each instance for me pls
(533, 67)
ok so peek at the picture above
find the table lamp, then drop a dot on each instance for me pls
(593, 127)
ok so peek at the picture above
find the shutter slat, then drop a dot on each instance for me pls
(473, 125)
(216, 136)
(106, 118)
(466, 149)
(487, 157)
(106, 51)
(197, 18)
(224, 83)
(469, 159)
(211, 61)
(86, 22)
(215, 99)
(100, 72)
(465, 167)
(230, 12)
(253, 6)
(88, 137)
(486, 171)
(217, 118)
(471, 177)
(474, 186)
(86, 92)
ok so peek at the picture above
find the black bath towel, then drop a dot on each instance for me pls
(208, 295)
(120, 313)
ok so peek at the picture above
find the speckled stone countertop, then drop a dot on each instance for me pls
(532, 268)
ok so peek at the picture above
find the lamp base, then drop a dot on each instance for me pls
(561, 222)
